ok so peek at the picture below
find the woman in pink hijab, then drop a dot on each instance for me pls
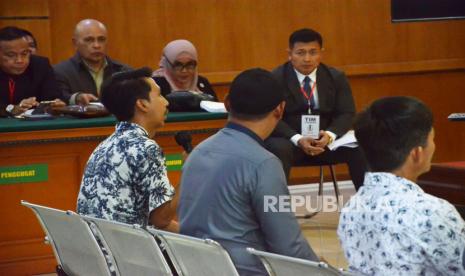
(178, 70)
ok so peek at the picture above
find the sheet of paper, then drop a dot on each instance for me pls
(213, 107)
(346, 140)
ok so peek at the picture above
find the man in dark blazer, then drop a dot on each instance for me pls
(25, 79)
(313, 88)
(81, 76)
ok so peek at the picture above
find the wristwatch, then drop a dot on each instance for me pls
(330, 140)
(9, 108)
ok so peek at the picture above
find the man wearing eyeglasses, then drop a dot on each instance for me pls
(81, 76)
(25, 79)
(319, 109)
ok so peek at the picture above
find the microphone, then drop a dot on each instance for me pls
(184, 139)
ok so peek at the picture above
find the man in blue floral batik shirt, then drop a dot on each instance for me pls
(125, 178)
(391, 226)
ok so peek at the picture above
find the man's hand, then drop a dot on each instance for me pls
(85, 98)
(24, 105)
(57, 103)
(28, 103)
(308, 145)
(324, 139)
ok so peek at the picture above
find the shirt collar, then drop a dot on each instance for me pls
(246, 131)
(301, 76)
(125, 126)
(105, 63)
(389, 181)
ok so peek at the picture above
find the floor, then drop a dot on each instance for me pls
(320, 230)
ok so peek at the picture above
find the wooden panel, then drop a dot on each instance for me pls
(29, 15)
(443, 92)
(21, 242)
(39, 28)
(446, 182)
(23, 8)
(22, 251)
(380, 58)
(234, 35)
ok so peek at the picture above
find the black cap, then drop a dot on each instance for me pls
(255, 91)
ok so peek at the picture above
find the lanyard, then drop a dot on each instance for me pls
(308, 97)
(11, 88)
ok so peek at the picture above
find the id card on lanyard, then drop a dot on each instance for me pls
(311, 126)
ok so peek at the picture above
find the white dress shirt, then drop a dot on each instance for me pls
(300, 77)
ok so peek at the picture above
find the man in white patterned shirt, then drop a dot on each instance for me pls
(125, 178)
(391, 226)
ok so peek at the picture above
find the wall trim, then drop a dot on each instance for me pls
(36, 17)
(373, 69)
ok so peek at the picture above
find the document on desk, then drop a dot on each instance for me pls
(346, 140)
(213, 107)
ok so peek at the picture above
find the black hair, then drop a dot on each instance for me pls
(120, 92)
(390, 128)
(28, 33)
(253, 94)
(305, 35)
(10, 33)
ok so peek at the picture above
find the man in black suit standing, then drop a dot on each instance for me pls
(319, 94)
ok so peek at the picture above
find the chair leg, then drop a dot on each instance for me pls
(320, 187)
(336, 186)
(319, 198)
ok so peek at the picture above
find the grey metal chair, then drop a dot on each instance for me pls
(75, 247)
(193, 256)
(280, 265)
(134, 250)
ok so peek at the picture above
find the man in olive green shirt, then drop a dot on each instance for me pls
(81, 76)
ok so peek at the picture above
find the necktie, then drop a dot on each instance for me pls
(11, 90)
(308, 91)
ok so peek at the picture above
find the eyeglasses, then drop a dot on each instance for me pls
(178, 66)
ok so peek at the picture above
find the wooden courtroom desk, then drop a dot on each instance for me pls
(64, 145)
(446, 181)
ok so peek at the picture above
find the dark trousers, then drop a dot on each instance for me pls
(290, 155)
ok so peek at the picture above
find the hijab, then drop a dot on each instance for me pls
(171, 51)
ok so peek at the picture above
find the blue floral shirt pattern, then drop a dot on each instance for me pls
(125, 177)
(392, 227)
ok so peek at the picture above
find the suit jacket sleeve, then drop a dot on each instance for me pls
(49, 87)
(344, 107)
(63, 83)
(204, 85)
(283, 129)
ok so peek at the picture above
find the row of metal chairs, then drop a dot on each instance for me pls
(90, 246)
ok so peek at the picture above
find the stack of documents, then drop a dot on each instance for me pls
(213, 107)
(346, 140)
